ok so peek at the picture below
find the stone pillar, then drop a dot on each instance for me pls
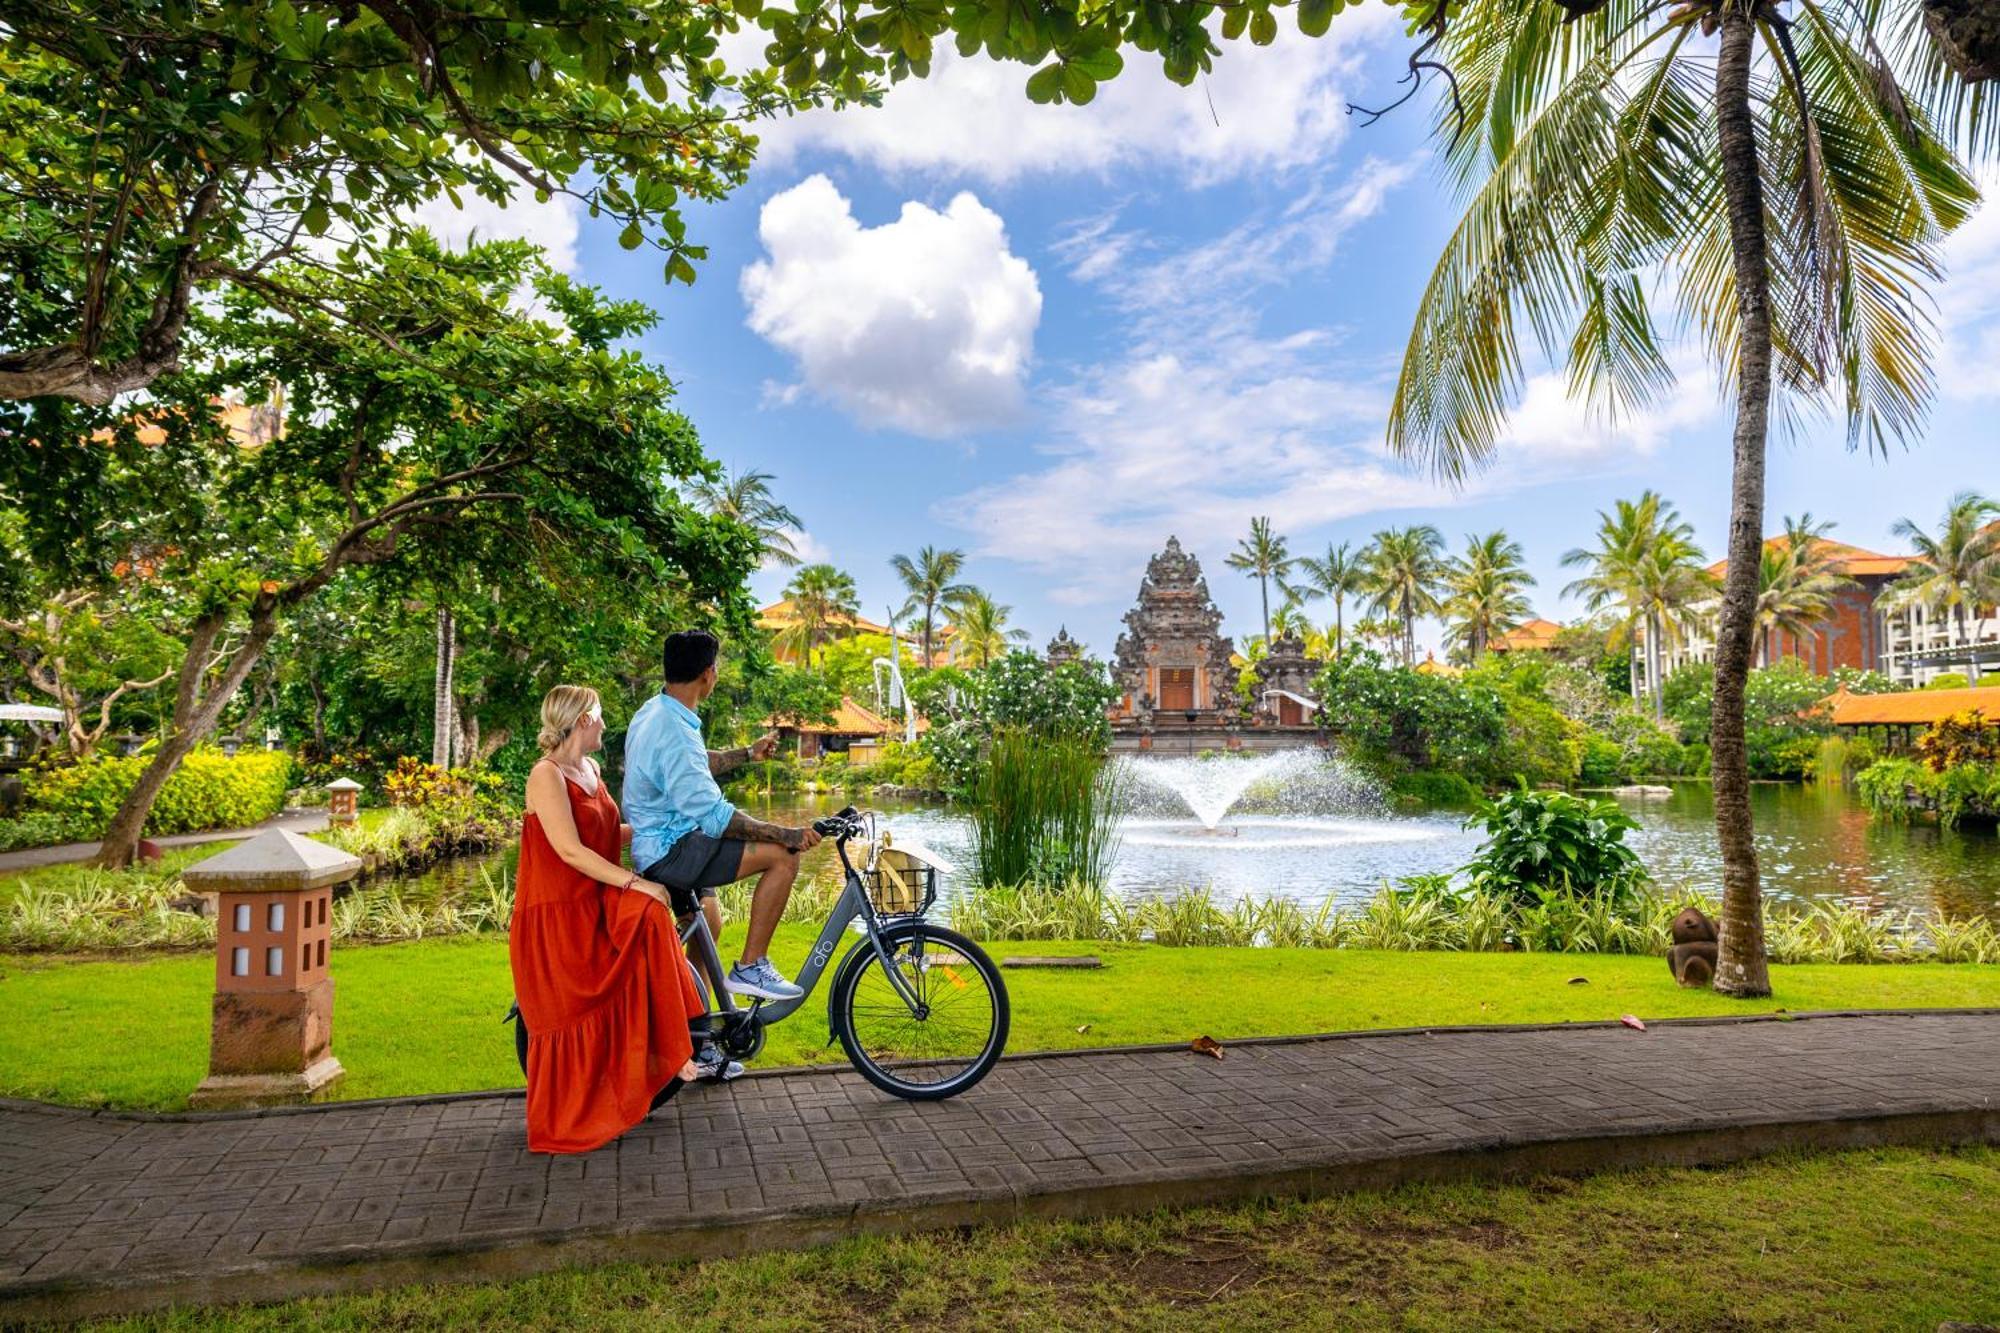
(272, 1035)
(342, 796)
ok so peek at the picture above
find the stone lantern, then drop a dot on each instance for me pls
(342, 794)
(272, 1036)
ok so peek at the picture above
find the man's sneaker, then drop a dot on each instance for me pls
(714, 1066)
(761, 980)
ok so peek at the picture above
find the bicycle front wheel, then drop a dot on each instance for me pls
(942, 1038)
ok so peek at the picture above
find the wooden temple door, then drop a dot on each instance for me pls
(1176, 689)
(1290, 712)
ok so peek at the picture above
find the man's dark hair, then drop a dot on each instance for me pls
(688, 653)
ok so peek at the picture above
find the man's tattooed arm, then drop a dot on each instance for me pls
(727, 761)
(756, 830)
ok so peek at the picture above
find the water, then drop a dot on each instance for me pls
(1320, 832)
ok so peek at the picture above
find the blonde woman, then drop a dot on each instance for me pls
(604, 988)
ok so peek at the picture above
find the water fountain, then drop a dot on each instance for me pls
(1210, 788)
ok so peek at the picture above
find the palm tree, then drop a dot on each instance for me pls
(1262, 555)
(1337, 575)
(746, 497)
(981, 625)
(1483, 592)
(1960, 563)
(1797, 581)
(1289, 622)
(1647, 564)
(1404, 569)
(929, 580)
(1619, 156)
(824, 605)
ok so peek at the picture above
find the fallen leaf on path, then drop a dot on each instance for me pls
(1579, 981)
(1633, 1023)
(1206, 1045)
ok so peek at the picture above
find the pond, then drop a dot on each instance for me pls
(1812, 842)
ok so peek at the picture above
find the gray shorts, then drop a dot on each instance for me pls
(695, 866)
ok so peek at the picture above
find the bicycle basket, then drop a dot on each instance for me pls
(899, 884)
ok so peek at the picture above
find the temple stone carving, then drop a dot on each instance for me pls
(1173, 657)
(1062, 648)
(1285, 694)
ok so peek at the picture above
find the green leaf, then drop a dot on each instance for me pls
(1045, 84)
(631, 238)
(1077, 85)
(1234, 22)
(1263, 27)
(1316, 16)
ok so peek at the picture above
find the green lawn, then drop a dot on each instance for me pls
(424, 1016)
(1779, 1245)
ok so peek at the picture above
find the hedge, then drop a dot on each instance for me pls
(207, 791)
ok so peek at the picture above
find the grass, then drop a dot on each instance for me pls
(1776, 1244)
(424, 1016)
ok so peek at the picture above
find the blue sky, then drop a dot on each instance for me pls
(1053, 336)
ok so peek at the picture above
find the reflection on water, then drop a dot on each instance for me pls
(1812, 842)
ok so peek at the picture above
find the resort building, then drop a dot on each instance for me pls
(854, 730)
(1530, 636)
(1897, 719)
(781, 615)
(1912, 645)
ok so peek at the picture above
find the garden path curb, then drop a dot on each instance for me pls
(103, 1212)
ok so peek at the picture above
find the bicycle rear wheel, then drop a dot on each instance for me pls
(953, 1036)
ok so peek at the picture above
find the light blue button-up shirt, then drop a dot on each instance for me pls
(668, 788)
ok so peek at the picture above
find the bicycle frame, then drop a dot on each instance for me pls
(853, 902)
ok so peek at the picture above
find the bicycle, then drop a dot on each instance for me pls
(921, 1011)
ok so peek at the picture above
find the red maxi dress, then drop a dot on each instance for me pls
(603, 986)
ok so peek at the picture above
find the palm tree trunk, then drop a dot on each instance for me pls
(1337, 628)
(442, 690)
(1741, 968)
(1656, 665)
(1264, 591)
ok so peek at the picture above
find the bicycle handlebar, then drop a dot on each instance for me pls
(842, 826)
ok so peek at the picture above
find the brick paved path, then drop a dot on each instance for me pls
(107, 1211)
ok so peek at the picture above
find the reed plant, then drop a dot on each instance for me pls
(1044, 811)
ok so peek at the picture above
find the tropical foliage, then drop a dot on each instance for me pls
(1543, 843)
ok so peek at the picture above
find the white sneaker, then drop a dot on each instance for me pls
(761, 981)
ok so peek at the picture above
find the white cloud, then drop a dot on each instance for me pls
(926, 323)
(1262, 109)
(1203, 420)
(552, 225)
(1548, 425)
(1969, 303)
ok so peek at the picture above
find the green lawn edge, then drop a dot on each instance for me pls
(1774, 1244)
(423, 1017)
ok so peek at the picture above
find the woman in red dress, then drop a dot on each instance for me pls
(602, 982)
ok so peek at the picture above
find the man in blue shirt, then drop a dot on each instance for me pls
(685, 834)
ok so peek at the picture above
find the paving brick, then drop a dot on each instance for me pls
(83, 1194)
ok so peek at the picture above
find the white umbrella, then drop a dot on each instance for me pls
(29, 713)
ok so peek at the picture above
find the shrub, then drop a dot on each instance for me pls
(207, 791)
(1539, 842)
(1887, 787)
(43, 828)
(1603, 762)
(1434, 789)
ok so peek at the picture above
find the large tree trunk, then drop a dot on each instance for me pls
(1264, 592)
(1741, 968)
(441, 694)
(195, 716)
(1968, 33)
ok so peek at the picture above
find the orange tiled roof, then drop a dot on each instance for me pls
(780, 615)
(1528, 636)
(1915, 708)
(1855, 561)
(852, 718)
